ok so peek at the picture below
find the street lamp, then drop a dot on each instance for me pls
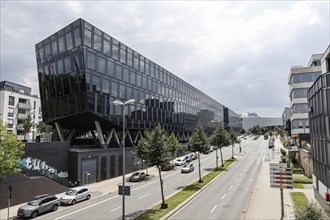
(117, 102)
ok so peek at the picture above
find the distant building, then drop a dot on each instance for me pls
(319, 114)
(249, 122)
(300, 80)
(16, 103)
(286, 120)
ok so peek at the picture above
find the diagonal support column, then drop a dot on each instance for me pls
(99, 131)
(59, 131)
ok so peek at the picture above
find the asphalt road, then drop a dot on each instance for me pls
(228, 197)
(145, 194)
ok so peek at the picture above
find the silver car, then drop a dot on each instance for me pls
(38, 205)
(187, 168)
(76, 194)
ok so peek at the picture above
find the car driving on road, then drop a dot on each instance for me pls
(76, 194)
(180, 162)
(39, 205)
(138, 176)
(187, 168)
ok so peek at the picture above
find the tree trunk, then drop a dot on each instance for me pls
(232, 151)
(199, 168)
(163, 205)
(221, 156)
(216, 158)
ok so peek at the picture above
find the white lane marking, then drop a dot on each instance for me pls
(144, 195)
(214, 208)
(236, 180)
(87, 207)
(116, 209)
(240, 174)
(223, 196)
(230, 187)
(263, 158)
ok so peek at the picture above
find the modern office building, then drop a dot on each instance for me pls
(286, 120)
(83, 70)
(319, 114)
(251, 121)
(300, 80)
(16, 104)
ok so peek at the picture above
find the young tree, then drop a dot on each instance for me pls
(153, 147)
(233, 140)
(198, 142)
(220, 138)
(172, 144)
(43, 128)
(11, 151)
(27, 125)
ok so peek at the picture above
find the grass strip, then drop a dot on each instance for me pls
(298, 185)
(175, 200)
(299, 200)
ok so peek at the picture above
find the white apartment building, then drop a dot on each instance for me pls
(16, 103)
(300, 80)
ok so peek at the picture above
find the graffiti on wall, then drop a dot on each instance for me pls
(42, 167)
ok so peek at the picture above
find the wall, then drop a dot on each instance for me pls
(306, 162)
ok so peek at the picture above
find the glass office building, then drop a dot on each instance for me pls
(82, 70)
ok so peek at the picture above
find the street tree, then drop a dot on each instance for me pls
(27, 124)
(233, 139)
(172, 144)
(198, 142)
(152, 146)
(43, 128)
(220, 138)
(11, 152)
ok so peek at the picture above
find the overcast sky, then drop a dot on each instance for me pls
(237, 52)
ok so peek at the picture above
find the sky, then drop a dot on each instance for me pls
(237, 52)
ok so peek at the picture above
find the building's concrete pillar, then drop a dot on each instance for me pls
(99, 131)
(59, 131)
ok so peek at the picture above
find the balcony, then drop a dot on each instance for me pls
(20, 127)
(21, 116)
(24, 106)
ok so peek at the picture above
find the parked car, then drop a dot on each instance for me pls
(76, 194)
(187, 168)
(39, 205)
(188, 158)
(180, 162)
(137, 176)
(168, 166)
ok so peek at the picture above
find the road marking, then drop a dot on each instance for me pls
(144, 195)
(230, 187)
(87, 207)
(223, 196)
(116, 209)
(214, 208)
(240, 174)
(263, 158)
(236, 180)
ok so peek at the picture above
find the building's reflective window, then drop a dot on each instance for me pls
(114, 89)
(67, 64)
(119, 71)
(59, 66)
(115, 52)
(305, 77)
(54, 48)
(128, 93)
(136, 61)
(106, 46)
(77, 37)
(47, 52)
(96, 84)
(141, 64)
(300, 108)
(61, 45)
(91, 60)
(111, 68)
(121, 91)
(122, 55)
(133, 77)
(88, 38)
(138, 80)
(101, 65)
(106, 86)
(88, 81)
(69, 43)
(97, 43)
(129, 59)
(126, 75)
(144, 82)
(42, 55)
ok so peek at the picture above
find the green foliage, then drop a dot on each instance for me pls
(257, 130)
(301, 178)
(310, 211)
(296, 167)
(43, 128)
(198, 142)
(220, 137)
(242, 131)
(283, 152)
(27, 125)
(172, 144)
(11, 151)
(299, 200)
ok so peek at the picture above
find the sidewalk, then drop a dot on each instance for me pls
(266, 201)
(98, 189)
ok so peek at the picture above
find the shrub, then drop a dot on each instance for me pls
(301, 178)
(310, 211)
(283, 152)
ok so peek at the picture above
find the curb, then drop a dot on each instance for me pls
(192, 197)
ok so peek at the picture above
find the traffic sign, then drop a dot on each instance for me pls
(122, 191)
(280, 175)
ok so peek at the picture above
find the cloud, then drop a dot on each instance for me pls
(239, 53)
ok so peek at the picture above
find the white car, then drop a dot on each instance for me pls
(76, 194)
(180, 162)
(187, 168)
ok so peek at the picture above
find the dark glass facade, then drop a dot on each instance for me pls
(319, 114)
(82, 70)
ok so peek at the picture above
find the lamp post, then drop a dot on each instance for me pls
(117, 102)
